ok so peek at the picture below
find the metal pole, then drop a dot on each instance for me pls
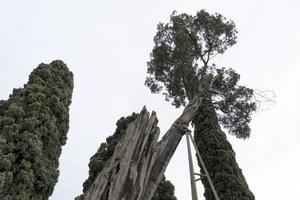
(204, 168)
(192, 175)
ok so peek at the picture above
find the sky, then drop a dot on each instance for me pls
(106, 44)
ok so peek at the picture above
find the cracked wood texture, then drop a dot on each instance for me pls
(140, 160)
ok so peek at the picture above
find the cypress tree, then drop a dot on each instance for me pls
(219, 157)
(34, 122)
(165, 190)
(180, 68)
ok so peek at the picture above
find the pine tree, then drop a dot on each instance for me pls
(165, 190)
(179, 68)
(34, 122)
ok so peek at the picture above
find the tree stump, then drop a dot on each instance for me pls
(138, 163)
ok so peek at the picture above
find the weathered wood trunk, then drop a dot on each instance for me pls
(139, 160)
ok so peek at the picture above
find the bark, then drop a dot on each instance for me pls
(139, 160)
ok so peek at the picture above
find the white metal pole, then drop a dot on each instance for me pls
(192, 175)
(204, 168)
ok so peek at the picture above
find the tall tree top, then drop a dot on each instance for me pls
(179, 67)
(34, 122)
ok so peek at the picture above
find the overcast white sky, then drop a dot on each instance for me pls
(107, 44)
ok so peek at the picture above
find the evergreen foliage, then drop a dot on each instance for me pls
(179, 68)
(219, 158)
(165, 190)
(34, 122)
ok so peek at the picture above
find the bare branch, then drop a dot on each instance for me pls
(264, 98)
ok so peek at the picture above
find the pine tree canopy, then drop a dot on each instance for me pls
(34, 122)
(165, 190)
(179, 67)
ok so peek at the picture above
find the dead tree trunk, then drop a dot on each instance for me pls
(139, 160)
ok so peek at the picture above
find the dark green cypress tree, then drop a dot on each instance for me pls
(179, 67)
(165, 190)
(219, 157)
(34, 122)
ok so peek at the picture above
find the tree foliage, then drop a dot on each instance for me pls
(180, 68)
(219, 158)
(34, 122)
(165, 190)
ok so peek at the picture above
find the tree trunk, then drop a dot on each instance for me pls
(218, 157)
(139, 160)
